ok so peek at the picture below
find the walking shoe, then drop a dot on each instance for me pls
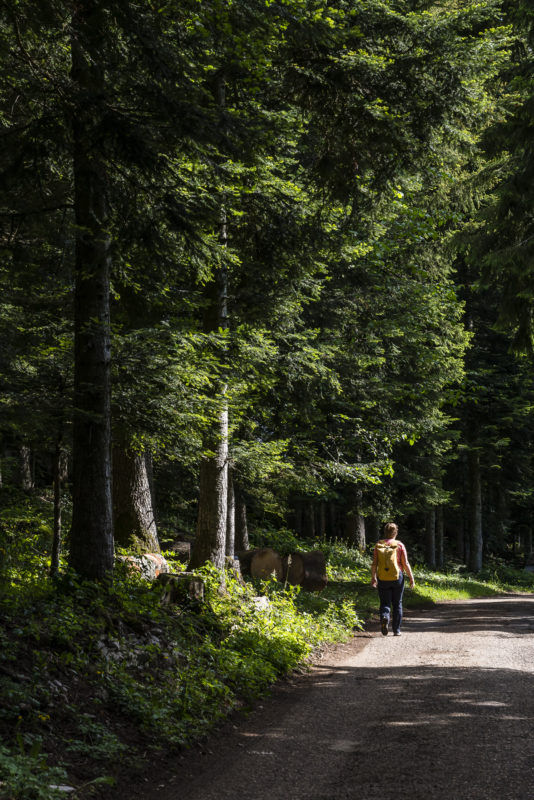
(384, 625)
(397, 633)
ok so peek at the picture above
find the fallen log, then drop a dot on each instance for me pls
(315, 578)
(245, 557)
(266, 562)
(294, 568)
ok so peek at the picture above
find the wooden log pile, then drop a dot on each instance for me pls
(299, 569)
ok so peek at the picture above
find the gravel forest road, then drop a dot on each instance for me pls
(444, 711)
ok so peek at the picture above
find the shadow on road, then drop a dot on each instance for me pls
(506, 615)
(370, 726)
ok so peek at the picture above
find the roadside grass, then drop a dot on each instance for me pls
(97, 678)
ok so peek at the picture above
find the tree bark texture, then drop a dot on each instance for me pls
(310, 520)
(440, 537)
(241, 524)
(460, 536)
(133, 512)
(91, 553)
(528, 541)
(298, 517)
(210, 539)
(322, 520)
(60, 475)
(26, 473)
(475, 515)
(355, 529)
(333, 519)
(230, 516)
(430, 538)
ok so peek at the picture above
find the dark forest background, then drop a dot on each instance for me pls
(267, 265)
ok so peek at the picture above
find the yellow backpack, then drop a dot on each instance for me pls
(388, 568)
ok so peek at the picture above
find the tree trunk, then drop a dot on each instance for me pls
(440, 538)
(460, 536)
(133, 513)
(241, 527)
(60, 475)
(322, 520)
(230, 516)
(149, 463)
(91, 553)
(355, 529)
(332, 514)
(210, 540)
(26, 476)
(310, 532)
(430, 538)
(528, 541)
(475, 513)
(298, 518)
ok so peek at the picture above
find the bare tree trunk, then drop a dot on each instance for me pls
(322, 520)
(311, 520)
(440, 538)
(355, 529)
(230, 516)
(430, 538)
(149, 463)
(91, 553)
(501, 521)
(528, 540)
(460, 536)
(60, 475)
(298, 517)
(26, 476)
(475, 521)
(241, 527)
(210, 540)
(374, 528)
(133, 513)
(332, 519)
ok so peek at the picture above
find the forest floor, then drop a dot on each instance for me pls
(444, 711)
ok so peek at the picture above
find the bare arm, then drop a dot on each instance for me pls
(406, 567)
(374, 567)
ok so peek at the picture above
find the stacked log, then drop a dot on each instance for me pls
(294, 569)
(265, 563)
(299, 569)
(315, 578)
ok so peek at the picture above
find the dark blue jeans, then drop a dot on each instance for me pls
(390, 593)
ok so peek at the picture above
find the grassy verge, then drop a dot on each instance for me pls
(96, 678)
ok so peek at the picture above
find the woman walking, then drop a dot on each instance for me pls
(390, 562)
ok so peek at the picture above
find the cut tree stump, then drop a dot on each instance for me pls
(315, 578)
(245, 557)
(294, 568)
(180, 586)
(265, 563)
